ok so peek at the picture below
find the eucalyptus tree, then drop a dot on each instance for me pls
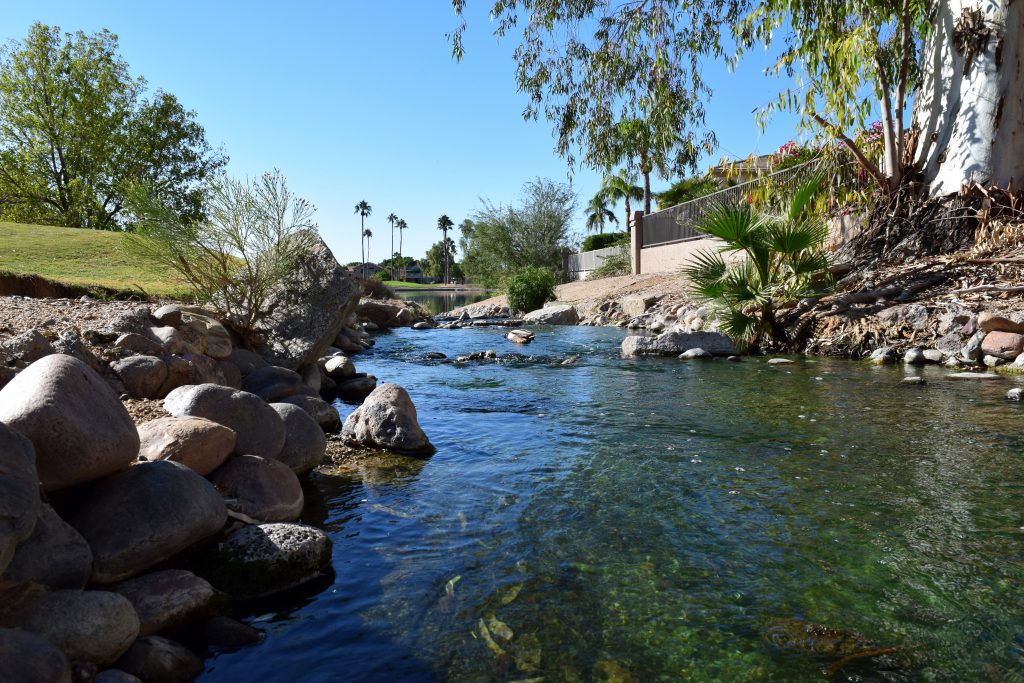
(402, 225)
(598, 213)
(392, 218)
(621, 186)
(444, 224)
(363, 209)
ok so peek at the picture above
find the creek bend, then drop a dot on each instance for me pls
(653, 519)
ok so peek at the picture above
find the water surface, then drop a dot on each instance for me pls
(437, 302)
(656, 520)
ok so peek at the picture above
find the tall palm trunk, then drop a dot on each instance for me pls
(362, 247)
(392, 269)
(647, 192)
(401, 261)
(629, 212)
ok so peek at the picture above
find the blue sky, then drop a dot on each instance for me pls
(361, 100)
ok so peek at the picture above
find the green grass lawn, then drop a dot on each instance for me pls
(409, 285)
(77, 256)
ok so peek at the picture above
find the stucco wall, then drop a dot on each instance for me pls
(669, 258)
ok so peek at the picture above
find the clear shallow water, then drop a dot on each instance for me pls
(653, 520)
(441, 302)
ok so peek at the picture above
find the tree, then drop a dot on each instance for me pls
(402, 225)
(392, 218)
(444, 224)
(598, 213)
(77, 129)
(621, 186)
(252, 240)
(506, 239)
(367, 234)
(397, 263)
(364, 210)
(441, 256)
(686, 190)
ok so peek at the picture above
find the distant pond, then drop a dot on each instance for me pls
(439, 302)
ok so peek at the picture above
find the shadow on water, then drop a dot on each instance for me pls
(656, 520)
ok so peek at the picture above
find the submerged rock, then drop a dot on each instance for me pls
(387, 419)
(695, 354)
(155, 659)
(675, 343)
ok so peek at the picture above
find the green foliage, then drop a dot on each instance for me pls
(256, 233)
(76, 130)
(434, 262)
(598, 213)
(777, 260)
(382, 275)
(686, 190)
(506, 239)
(529, 288)
(603, 241)
(374, 288)
(617, 264)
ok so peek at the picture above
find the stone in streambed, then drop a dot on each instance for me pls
(200, 444)
(258, 428)
(304, 443)
(339, 368)
(55, 555)
(675, 343)
(262, 489)
(387, 419)
(89, 626)
(520, 336)
(28, 658)
(357, 388)
(695, 354)
(19, 492)
(78, 426)
(321, 411)
(555, 314)
(989, 322)
(155, 659)
(144, 515)
(166, 598)
(1015, 394)
(226, 633)
(1005, 345)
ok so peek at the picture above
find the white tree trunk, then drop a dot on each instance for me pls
(972, 124)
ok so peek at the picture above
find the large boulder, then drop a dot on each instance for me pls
(142, 376)
(262, 559)
(144, 515)
(79, 428)
(304, 443)
(387, 419)
(166, 598)
(339, 368)
(309, 308)
(273, 383)
(201, 445)
(19, 492)
(27, 658)
(55, 555)
(355, 389)
(675, 343)
(636, 305)
(198, 323)
(26, 347)
(87, 626)
(154, 659)
(262, 489)
(990, 322)
(555, 314)
(324, 413)
(258, 428)
(1005, 345)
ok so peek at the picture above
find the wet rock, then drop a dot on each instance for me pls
(320, 410)
(340, 368)
(883, 356)
(28, 658)
(304, 443)
(26, 347)
(675, 343)
(200, 444)
(258, 428)
(974, 375)
(555, 314)
(914, 356)
(90, 626)
(155, 659)
(78, 426)
(166, 598)
(695, 354)
(1005, 345)
(19, 493)
(1015, 394)
(990, 322)
(914, 380)
(168, 315)
(357, 388)
(261, 489)
(142, 376)
(273, 383)
(992, 361)
(115, 676)
(780, 361)
(138, 343)
(55, 555)
(933, 356)
(387, 419)
(422, 325)
(972, 349)
(226, 633)
(435, 355)
(268, 558)
(169, 507)
(520, 336)
(734, 359)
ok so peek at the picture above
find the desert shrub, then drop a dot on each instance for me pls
(603, 241)
(530, 288)
(381, 275)
(616, 264)
(374, 288)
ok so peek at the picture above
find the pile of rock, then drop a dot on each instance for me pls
(985, 340)
(383, 314)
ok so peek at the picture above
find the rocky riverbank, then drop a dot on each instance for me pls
(152, 470)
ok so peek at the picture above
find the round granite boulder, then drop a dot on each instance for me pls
(258, 428)
(19, 492)
(27, 658)
(55, 555)
(166, 598)
(387, 419)
(200, 444)
(324, 413)
(262, 489)
(304, 443)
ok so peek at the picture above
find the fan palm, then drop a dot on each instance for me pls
(364, 210)
(402, 225)
(444, 224)
(778, 260)
(367, 234)
(392, 218)
(619, 186)
(598, 213)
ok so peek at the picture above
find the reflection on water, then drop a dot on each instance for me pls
(441, 302)
(653, 520)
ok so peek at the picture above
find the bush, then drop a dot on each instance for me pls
(381, 275)
(603, 241)
(375, 288)
(529, 289)
(611, 266)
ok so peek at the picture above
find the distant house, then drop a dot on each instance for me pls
(414, 273)
(364, 270)
(729, 173)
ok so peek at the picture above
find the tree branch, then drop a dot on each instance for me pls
(868, 165)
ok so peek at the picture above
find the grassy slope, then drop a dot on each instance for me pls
(81, 257)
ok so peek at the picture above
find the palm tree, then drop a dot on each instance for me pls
(364, 210)
(620, 186)
(392, 218)
(598, 213)
(367, 234)
(444, 224)
(402, 225)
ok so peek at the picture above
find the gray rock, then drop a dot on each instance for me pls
(216, 341)
(88, 626)
(169, 314)
(136, 320)
(675, 343)
(170, 340)
(75, 421)
(972, 349)
(19, 492)
(167, 598)
(200, 444)
(974, 375)
(138, 343)
(155, 659)
(422, 325)
(310, 308)
(70, 344)
(26, 347)
(115, 676)
(273, 383)
(320, 410)
(27, 658)
(1015, 394)
(264, 559)
(555, 314)
(257, 426)
(780, 361)
(693, 354)
(55, 555)
(144, 515)
(357, 388)
(734, 359)
(914, 356)
(340, 368)
(883, 356)
(142, 376)
(247, 361)
(913, 315)
(934, 356)
(312, 376)
(636, 306)
(179, 373)
(261, 489)
(520, 336)
(387, 419)
(914, 380)
(226, 633)
(304, 442)
(992, 361)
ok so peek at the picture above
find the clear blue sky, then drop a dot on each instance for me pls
(361, 100)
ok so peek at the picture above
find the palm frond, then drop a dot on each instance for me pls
(793, 237)
(740, 326)
(805, 193)
(705, 272)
